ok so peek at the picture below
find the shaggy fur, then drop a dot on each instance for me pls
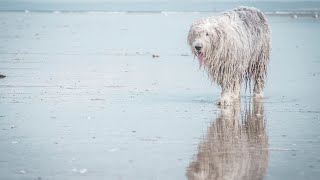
(233, 47)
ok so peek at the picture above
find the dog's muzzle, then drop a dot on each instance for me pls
(198, 48)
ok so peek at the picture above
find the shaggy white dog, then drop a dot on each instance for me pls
(233, 47)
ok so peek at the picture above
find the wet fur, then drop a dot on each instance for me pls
(235, 48)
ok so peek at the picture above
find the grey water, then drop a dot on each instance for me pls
(156, 6)
(119, 95)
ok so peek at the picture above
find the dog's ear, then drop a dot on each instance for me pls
(190, 35)
(219, 33)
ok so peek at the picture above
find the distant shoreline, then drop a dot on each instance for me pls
(304, 13)
(304, 7)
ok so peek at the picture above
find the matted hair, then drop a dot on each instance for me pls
(235, 46)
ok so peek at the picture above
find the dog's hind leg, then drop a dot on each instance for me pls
(260, 74)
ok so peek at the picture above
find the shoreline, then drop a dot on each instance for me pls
(303, 13)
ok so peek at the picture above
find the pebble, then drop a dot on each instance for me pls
(81, 171)
(22, 172)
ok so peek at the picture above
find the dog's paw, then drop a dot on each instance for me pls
(224, 102)
(258, 95)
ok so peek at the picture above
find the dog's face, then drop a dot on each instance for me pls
(202, 37)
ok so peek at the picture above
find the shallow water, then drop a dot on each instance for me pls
(85, 99)
(155, 6)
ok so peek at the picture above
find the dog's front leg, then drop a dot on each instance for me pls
(229, 95)
(226, 97)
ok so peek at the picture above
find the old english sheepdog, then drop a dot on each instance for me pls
(233, 47)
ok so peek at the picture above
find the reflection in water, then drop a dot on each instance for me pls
(235, 146)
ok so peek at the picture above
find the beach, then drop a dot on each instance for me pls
(115, 95)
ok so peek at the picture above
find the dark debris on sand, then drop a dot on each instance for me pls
(2, 76)
(155, 56)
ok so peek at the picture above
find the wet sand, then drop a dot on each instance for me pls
(87, 97)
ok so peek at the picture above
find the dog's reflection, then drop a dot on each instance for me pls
(235, 147)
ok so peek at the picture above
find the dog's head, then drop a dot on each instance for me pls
(203, 38)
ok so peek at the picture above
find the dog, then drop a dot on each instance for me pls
(233, 47)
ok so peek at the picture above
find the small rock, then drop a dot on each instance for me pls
(82, 171)
(155, 56)
(22, 172)
(2, 76)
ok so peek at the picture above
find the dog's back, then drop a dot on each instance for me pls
(251, 14)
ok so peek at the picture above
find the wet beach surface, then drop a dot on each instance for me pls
(87, 97)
